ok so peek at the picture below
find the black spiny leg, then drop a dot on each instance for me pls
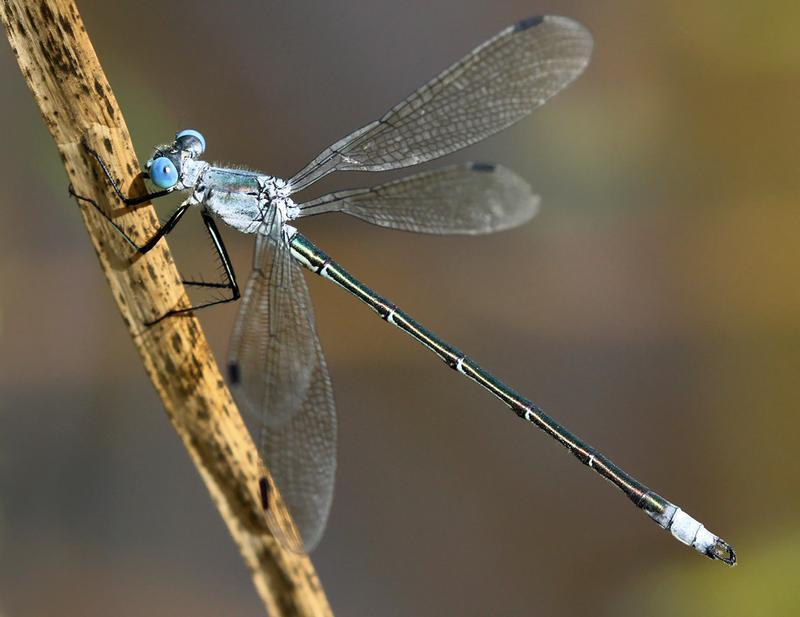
(128, 201)
(232, 285)
(162, 231)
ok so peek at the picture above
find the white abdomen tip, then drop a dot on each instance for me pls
(691, 532)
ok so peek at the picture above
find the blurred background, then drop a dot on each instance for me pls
(652, 307)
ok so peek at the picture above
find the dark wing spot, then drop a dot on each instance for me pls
(528, 23)
(233, 372)
(263, 489)
(489, 167)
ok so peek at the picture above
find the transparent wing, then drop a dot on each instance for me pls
(273, 340)
(301, 455)
(495, 85)
(279, 376)
(471, 198)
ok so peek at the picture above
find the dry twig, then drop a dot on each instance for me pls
(58, 61)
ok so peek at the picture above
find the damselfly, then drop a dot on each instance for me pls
(276, 363)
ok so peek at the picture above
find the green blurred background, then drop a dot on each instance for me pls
(653, 307)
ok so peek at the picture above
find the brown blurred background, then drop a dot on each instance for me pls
(653, 307)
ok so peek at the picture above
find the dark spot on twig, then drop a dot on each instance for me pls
(152, 272)
(202, 412)
(66, 26)
(198, 366)
(194, 333)
(47, 14)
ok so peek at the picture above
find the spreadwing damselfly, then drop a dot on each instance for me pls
(276, 365)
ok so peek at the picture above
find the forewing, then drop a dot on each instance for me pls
(495, 85)
(279, 376)
(471, 198)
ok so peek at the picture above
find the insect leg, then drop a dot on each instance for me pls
(231, 285)
(162, 231)
(128, 201)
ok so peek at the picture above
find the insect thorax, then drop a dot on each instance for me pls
(243, 199)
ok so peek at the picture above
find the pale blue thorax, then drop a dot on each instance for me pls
(240, 198)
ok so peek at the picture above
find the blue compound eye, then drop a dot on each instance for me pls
(191, 133)
(163, 173)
